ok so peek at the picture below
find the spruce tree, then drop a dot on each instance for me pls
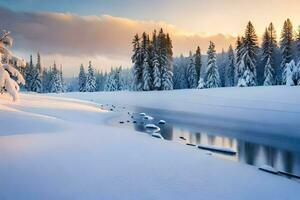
(165, 58)
(147, 73)
(90, 85)
(230, 68)
(156, 64)
(55, 82)
(212, 77)
(269, 46)
(137, 61)
(29, 73)
(247, 64)
(239, 49)
(286, 46)
(81, 79)
(198, 62)
(192, 73)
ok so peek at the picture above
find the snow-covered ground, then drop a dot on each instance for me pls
(61, 148)
(273, 110)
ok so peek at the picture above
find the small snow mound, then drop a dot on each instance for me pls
(152, 127)
(148, 117)
(142, 114)
(268, 168)
(157, 135)
(162, 122)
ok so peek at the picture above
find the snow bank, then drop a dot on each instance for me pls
(272, 109)
(84, 159)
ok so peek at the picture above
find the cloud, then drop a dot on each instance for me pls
(75, 36)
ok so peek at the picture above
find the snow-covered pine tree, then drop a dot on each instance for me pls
(286, 46)
(269, 73)
(36, 81)
(165, 58)
(156, 64)
(247, 64)
(269, 46)
(291, 73)
(192, 72)
(7, 71)
(29, 73)
(230, 68)
(212, 77)
(239, 49)
(81, 79)
(55, 82)
(147, 73)
(198, 62)
(137, 60)
(90, 85)
(112, 83)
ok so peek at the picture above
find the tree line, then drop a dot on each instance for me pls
(248, 64)
(43, 80)
(152, 62)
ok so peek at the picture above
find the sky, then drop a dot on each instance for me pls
(76, 31)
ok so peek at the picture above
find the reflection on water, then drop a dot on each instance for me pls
(250, 152)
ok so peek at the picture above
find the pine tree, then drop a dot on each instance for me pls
(156, 64)
(198, 62)
(55, 82)
(286, 46)
(212, 77)
(147, 78)
(29, 73)
(82, 79)
(230, 68)
(165, 58)
(90, 85)
(269, 46)
(192, 73)
(239, 49)
(247, 64)
(291, 74)
(269, 73)
(137, 61)
(36, 81)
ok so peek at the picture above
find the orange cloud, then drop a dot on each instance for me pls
(105, 36)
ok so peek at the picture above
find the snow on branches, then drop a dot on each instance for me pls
(8, 63)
